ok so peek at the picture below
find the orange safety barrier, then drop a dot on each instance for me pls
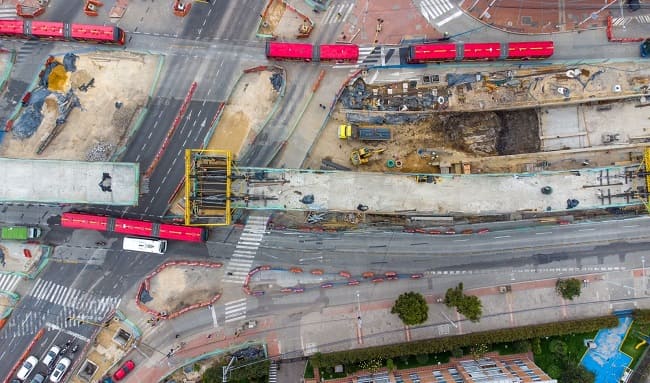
(25, 354)
(171, 131)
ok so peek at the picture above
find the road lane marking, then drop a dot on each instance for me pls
(502, 236)
(544, 233)
(630, 226)
(214, 317)
(587, 229)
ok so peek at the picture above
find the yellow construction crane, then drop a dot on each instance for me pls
(363, 155)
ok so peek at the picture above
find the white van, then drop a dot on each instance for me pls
(145, 245)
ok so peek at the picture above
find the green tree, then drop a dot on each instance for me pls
(575, 374)
(453, 297)
(568, 288)
(471, 307)
(411, 308)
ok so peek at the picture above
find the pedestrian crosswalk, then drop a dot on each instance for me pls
(368, 57)
(338, 13)
(438, 12)
(8, 282)
(273, 373)
(55, 306)
(8, 13)
(623, 21)
(80, 304)
(242, 258)
(235, 310)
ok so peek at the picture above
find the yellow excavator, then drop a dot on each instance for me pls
(362, 155)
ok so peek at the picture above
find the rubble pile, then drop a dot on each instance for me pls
(101, 151)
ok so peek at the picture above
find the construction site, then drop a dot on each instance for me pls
(473, 121)
(79, 107)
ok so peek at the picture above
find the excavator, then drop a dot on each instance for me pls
(362, 155)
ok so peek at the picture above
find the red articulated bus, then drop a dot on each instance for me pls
(481, 51)
(289, 51)
(55, 30)
(530, 50)
(422, 53)
(134, 227)
(338, 52)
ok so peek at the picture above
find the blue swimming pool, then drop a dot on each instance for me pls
(606, 361)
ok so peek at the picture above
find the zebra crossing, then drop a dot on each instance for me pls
(623, 21)
(242, 258)
(235, 310)
(438, 12)
(368, 56)
(8, 13)
(38, 310)
(338, 13)
(8, 282)
(273, 373)
(80, 304)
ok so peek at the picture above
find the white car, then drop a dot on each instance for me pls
(51, 355)
(27, 367)
(60, 370)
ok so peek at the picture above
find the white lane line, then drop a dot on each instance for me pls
(235, 301)
(587, 229)
(544, 233)
(74, 334)
(502, 236)
(449, 18)
(215, 324)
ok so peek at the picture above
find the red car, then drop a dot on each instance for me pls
(127, 367)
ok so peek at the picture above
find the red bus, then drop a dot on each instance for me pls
(84, 221)
(339, 52)
(97, 33)
(431, 52)
(289, 51)
(134, 227)
(481, 51)
(530, 50)
(55, 30)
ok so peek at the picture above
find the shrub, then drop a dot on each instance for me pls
(457, 352)
(536, 346)
(422, 359)
(521, 346)
(558, 347)
(568, 288)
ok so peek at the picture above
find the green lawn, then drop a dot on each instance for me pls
(575, 349)
(633, 339)
(309, 370)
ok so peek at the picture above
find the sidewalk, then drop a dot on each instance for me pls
(534, 17)
(338, 327)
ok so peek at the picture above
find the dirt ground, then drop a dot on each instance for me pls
(456, 138)
(15, 259)
(5, 304)
(105, 352)
(177, 287)
(273, 16)
(248, 107)
(98, 126)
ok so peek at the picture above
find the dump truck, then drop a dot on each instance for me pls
(364, 134)
(20, 233)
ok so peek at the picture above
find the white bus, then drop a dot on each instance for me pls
(146, 245)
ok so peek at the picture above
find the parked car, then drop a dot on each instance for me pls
(60, 370)
(51, 355)
(27, 367)
(127, 367)
(37, 379)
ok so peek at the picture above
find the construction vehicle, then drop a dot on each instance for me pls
(364, 134)
(20, 233)
(645, 48)
(363, 155)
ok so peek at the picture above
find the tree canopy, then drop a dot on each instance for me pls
(568, 288)
(411, 308)
(468, 305)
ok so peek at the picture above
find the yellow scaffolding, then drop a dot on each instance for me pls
(192, 187)
(644, 168)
